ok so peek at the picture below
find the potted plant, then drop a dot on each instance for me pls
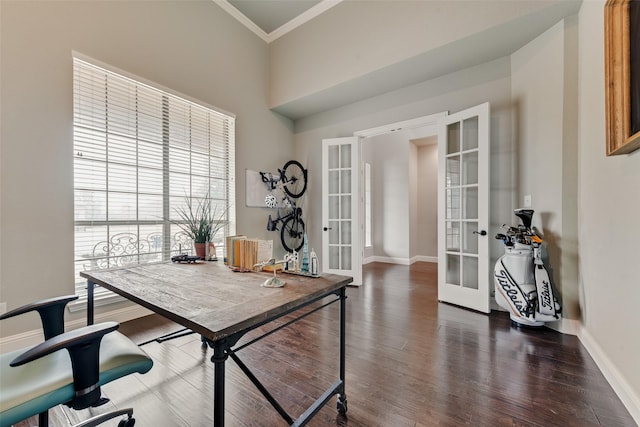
(200, 221)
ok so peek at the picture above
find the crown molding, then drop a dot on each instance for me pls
(303, 18)
(299, 20)
(231, 10)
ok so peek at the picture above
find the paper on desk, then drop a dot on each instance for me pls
(265, 250)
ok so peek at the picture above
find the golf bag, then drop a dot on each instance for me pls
(522, 283)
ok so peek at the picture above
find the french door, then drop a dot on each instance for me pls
(341, 245)
(463, 208)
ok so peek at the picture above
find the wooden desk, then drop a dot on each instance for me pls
(222, 306)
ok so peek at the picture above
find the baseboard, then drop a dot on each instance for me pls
(424, 258)
(400, 261)
(566, 326)
(31, 338)
(630, 399)
(386, 260)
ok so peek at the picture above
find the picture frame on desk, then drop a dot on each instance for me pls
(622, 76)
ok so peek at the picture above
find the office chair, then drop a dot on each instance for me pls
(34, 380)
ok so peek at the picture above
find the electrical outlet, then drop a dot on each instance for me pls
(3, 307)
(527, 201)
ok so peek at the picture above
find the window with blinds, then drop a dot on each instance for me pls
(139, 153)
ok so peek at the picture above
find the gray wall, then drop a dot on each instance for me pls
(608, 230)
(191, 47)
(390, 194)
(544, 106)
(426, 235)
(412, 166)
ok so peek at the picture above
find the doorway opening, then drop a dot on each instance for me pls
(402, 155)
(402, 212)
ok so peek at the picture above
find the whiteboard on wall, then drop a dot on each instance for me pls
(256, 190)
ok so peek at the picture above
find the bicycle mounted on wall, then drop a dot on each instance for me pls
(285, 187)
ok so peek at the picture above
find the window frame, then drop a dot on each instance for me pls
(368, 237)
(220, 156)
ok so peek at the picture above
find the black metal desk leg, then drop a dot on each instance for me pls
(90, 288)
(342, 396)
(219, 358)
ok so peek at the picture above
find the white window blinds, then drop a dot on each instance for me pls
(139, 151)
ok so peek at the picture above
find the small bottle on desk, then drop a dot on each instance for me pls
(313, 258)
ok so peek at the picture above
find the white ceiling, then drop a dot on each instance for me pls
(271, 19)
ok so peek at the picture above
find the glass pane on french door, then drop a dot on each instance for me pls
(339, 207)
(461, 210)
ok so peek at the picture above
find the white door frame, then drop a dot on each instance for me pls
(419, 122)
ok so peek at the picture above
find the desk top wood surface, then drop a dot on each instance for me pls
(209, 298)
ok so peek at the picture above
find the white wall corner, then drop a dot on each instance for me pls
(630, 399)
(368, 260)
(31, 338)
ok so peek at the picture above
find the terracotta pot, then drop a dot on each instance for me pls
(211, 252)
(201, 250)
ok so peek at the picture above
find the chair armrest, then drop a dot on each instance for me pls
(51, 312)
(83, 345)
(68, 340)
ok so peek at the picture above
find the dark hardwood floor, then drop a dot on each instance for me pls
(411, 361)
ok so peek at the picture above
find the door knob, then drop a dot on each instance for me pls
(481, 232)
(327, 228)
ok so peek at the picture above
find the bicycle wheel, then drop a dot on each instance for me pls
(292, 233)
(295, 182)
